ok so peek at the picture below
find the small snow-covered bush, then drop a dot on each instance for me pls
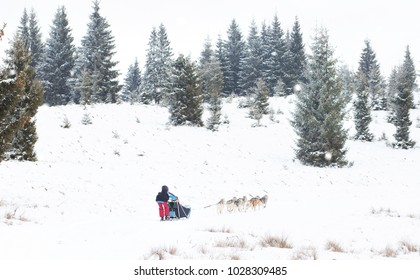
(86, 120)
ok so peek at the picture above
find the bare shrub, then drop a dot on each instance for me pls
(307, 253)
(407, 246)
(203, 250)
(172, 250)
(231, 242)
(334, 247)
(275, 241)
(389, 252)
(66, 123)
(161, 252)
(223, 230)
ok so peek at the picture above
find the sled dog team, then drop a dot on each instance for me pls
(242, 204)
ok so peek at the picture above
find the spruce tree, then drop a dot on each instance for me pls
(221, 56)
(158, 75)
(348, 82)
(319, 113)
(98, 49)
(30, 92)
(370, 74)
(9, 100)
(265, 53)
(207, 53)
(260, 104)
(211, 78)
(277, 61)
(85, 88)
(36, 44)
(392, 91)
(204, 68)
(234, 48)
(362, 104)
(212, 73)
(23, 29)
(30, 34)
(296, 60)
(251, 63)
(132, 83)
(186, 104)
(58, 61)
(404, 102)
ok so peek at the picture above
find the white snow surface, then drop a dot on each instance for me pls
(91, 194)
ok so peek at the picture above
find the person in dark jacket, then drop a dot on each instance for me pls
(162, 201)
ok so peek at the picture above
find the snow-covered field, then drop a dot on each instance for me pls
(91, 194)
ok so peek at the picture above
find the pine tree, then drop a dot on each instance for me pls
(9, 101)
(348, 82)
(186, 105)
(234, 48)
(211, 78)
(58, 61)
(392, 93)
(369, 74)
(377, 88)
(28, 88)
(319, 113)
(36, 44)
(265, 53)
(98, 50)
(277, 61)
(260, 104)
(23, 29)
(207, 53)
(222, 58)
(30, 34)
(251, 63)
(404, 102)
(85, 89)
(362, 104)
(204, 71)
(296, 60)
(132, 83)
(158, 75)
(212, 73)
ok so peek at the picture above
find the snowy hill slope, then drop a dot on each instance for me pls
(91, 194)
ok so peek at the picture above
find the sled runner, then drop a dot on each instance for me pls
(177, 210)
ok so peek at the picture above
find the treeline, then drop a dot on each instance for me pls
(269, 61)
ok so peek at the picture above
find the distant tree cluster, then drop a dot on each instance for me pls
(270, 61)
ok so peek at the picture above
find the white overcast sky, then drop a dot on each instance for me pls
(389, 25)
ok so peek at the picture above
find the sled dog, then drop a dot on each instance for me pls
(255, 202)
(220, 206)
(264, 200)
(230, 205)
